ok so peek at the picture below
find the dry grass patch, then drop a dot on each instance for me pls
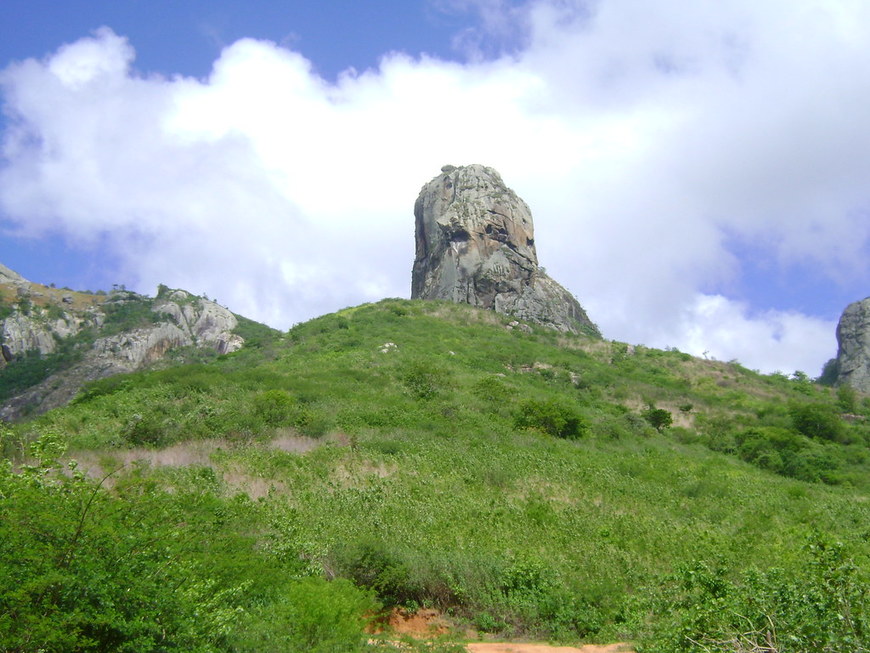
(97, 464)
(291, 442)
(254, 486)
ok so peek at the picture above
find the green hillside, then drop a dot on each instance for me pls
(423, 454)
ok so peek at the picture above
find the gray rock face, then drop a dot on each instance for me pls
(206, 322)
(475, 244)
(10, 276)
(40, 318)
(20, 333)
(853, 346)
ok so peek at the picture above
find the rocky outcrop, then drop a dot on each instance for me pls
(205, 321)
(475, 244)
(20, 333)
(853, 346)
(8, 276)
(109, 334)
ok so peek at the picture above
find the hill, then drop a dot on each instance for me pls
(523, 481)
(53, 340)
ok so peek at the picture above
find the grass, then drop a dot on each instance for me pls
(432, 472)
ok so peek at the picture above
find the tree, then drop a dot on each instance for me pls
(659, 418)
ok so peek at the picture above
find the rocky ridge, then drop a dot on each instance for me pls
(90, 336)
(475, 244)
(853, 346)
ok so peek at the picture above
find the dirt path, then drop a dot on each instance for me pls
(506, 647)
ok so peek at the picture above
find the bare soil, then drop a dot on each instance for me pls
(431, 623)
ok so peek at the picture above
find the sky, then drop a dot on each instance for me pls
(698, 172)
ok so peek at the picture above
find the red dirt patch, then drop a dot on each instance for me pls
(427, 623)
(510, 647)
(422, 623)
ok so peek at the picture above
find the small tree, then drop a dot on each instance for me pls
(659, 418)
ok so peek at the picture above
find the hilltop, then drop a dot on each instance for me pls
(523, 481)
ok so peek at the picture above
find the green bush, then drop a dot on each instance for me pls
(311, 616)
(830, 372)
(374, 565)
(818, 421)
(552, 417)
(146, 430)
(424, 379)
(85, 570)
(847, 399)
(276, 408)
(125, 315)
(492, 389)
(821, 606)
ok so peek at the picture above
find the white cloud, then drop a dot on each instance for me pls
(647, 139)
(775, 340)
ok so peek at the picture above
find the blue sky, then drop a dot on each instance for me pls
(186, 37)
(697, 172)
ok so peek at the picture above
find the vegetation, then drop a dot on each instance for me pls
(30, 368)
(528, 484)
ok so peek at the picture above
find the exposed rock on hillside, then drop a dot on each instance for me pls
(476, 245)
(853, 346)
(86, 336)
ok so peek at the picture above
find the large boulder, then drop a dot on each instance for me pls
(853, 346)
(476, 245)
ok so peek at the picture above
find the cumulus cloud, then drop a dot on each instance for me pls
(776, 337)
(649, 140)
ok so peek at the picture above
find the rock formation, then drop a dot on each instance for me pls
(476, 245)
(110, 334)
(853, 346)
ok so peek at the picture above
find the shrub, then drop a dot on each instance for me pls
(492, 389)
(552, 417)
(126, 315)
(374, 565)
(847, 399)
(86, 570)
(822, 605)
(830, 372)
(754, 443)
(146, 430)
(313, 615)
(818, 421)
(423, 379)
(275, 407)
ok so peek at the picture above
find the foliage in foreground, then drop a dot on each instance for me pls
(137, 569)
(821, 605)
